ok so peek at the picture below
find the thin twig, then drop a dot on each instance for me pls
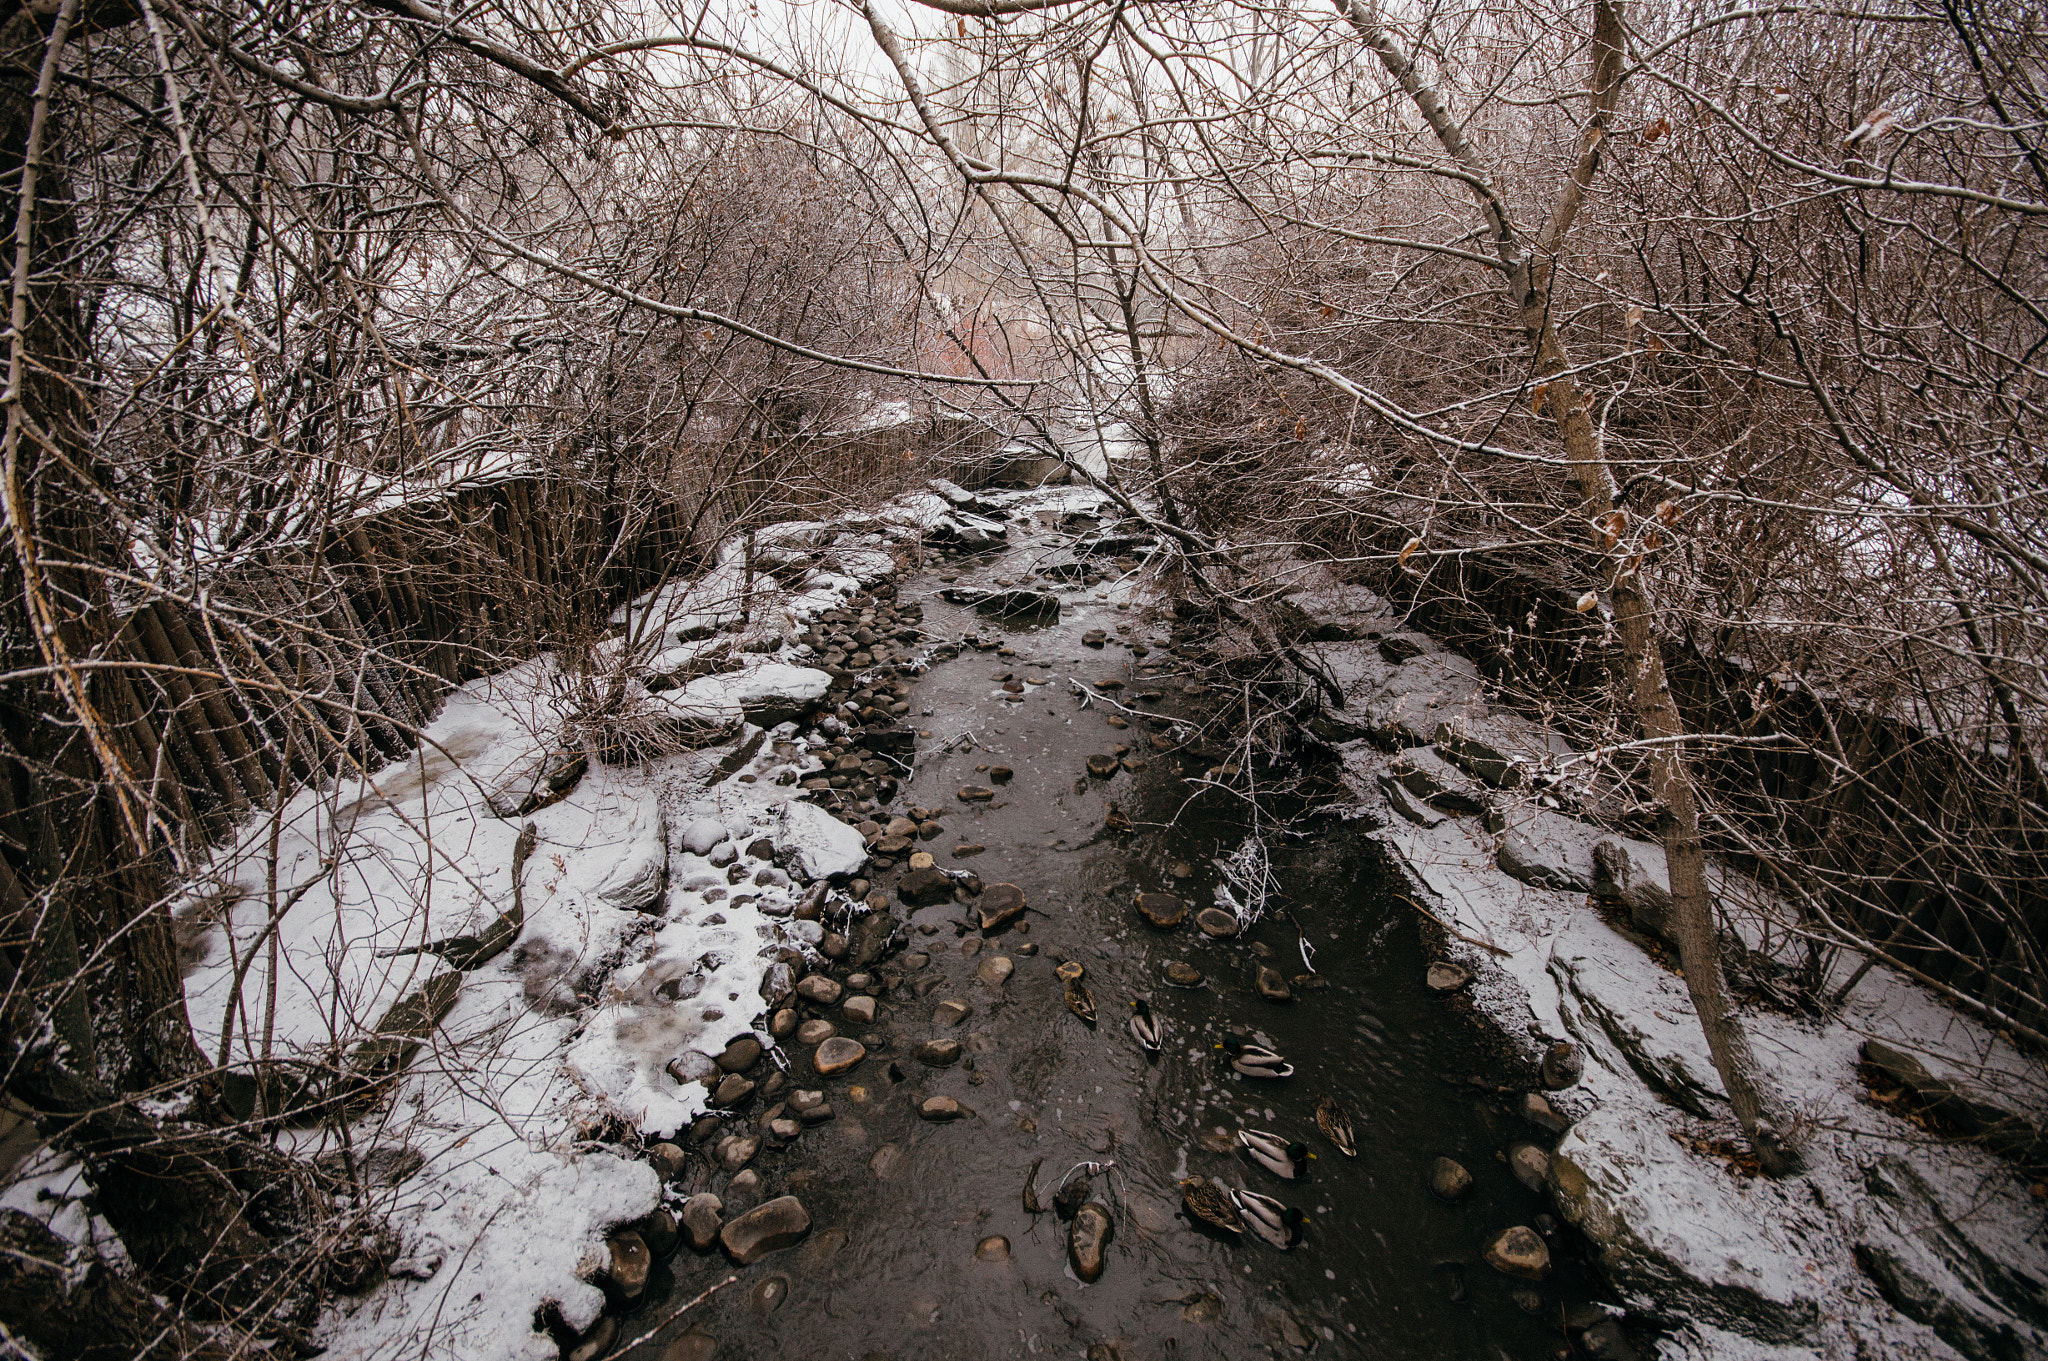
(1469, 940)
(677, 1313)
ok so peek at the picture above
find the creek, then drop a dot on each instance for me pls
(899, 1204)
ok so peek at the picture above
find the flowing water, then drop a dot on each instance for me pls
(899, 1205)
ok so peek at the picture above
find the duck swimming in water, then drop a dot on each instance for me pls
(1146, 1028)
(1281, 1157)
(1208, 1201)
(1254, 1060)
(1335, 1123)
(1266, 1217)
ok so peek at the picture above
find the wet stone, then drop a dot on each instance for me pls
(666, 1160)
(819, 989)
(1449, 1180)
(598, 1341)
(1102, 766)
(815, 1032)
(1182, 974)
(951, 1012)
(736, 1151)
(1162, 909)
(993, 1249)
(1445, 977)
(767, 1228)
(731, 1092)
(1000, 904)
(1539, 1112)
(860, 1010)
(923, 887)
(783, 1023)
(1271, 985)
(837, 1055)
(976, 793)
(742, 1054)
(1215, 922)
(938, 1053)
(768, 1294)
(1087, 1238)
(941, 1108)
(1531, 1166)
(1519, 1252)
(691, 1346)
(630, 1261)
(993, 972)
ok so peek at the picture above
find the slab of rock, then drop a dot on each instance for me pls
(1087, 1237)
(1432, 779)
(1667, 1225)
(1519, 1251)
(1021, 605)
(701, 1221)
(1636, 875)
(1000, 904)
(837, 1055)
(1215, 922)
(1604, 990)
(1425, 692)
(1410, 807)
(1934, 1262)
(778, 1224)
(1966, 1107)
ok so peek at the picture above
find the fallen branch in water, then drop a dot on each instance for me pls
(675, 1314)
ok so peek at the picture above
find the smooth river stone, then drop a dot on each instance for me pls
(1214, 921)
(837, 1055)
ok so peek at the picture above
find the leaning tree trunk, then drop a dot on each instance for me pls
(1693, 926)
(1530, 269)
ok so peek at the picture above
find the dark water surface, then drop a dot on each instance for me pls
(890, 1267)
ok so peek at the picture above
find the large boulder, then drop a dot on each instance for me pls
(1434, 780)
(1609, 991)
(816, 845)
(1029, 606)
(1961, 1105)
(1503, 749)
(1547, 850)
(1671, 1232)
(1423, 694)
(767, 694)
(780, 1223)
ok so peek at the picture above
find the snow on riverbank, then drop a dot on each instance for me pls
(655, 899)
(1892, 1243)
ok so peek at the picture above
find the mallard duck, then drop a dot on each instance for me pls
(1146, 1028)
(1254, 1060)
(1278, 1224)
(1277, 1155)
(1081, 1002)
(1335, 1123)
(1212, 1203)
